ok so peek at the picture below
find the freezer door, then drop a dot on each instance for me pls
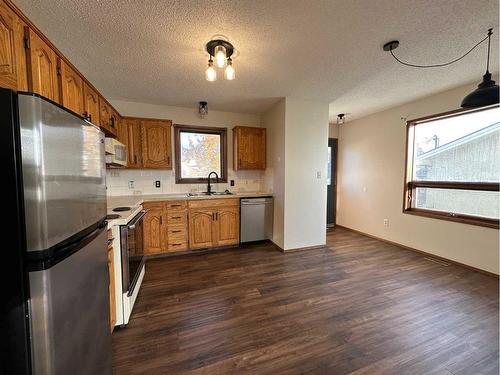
(69, 312)
(63, 166)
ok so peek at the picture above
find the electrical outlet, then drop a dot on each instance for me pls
(386, 222)
(157, 183)
(131, 184)
(232, 183)
(318, 175)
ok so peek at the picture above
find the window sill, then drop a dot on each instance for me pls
(464, 219)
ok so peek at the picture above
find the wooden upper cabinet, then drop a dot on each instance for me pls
(114, 122)
(13, 72)
(130, 135)
(227, 226)
(42, 67)
(91, 104)
(104, 114)
(201, 231)
(249, 148)
(156, 144)
(154, 228)
(71, 88)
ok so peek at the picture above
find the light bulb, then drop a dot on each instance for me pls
(229, 73)
(220, 56)
(210, 73)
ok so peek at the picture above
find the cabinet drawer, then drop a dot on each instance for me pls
(175, 205)
(176, 232)
(176, 217)
(177, 245)
(225, 202)
(149, 205)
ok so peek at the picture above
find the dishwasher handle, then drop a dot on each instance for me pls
(254, 202)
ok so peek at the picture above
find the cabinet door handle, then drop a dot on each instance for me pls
(175, 205)
(161, 220)
(216, 216)
(176, 217)
(135, 159)
(213, 216)
(176, 231)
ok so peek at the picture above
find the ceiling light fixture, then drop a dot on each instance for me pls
(341, 118)
(210, 74)
(203, 109)
(486, 92)
(220, 56)
(229, 73)
(221, 51)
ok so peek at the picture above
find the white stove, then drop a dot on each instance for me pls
(126, 224)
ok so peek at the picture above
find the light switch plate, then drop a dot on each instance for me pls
(131, 184)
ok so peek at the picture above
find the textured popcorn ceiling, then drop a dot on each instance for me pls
(153, 51)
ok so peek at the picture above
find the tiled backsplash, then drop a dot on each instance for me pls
(118, 182)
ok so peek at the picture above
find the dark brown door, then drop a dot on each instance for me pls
(331, 198)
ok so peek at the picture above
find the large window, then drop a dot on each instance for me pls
(453, 166)
(199, 151)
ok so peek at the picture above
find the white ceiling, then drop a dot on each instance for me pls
(153, 50)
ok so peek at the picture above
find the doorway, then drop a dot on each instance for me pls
(331, 198)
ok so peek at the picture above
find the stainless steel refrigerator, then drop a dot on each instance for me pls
(55, 310)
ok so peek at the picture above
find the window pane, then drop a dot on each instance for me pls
(463, 148)
(468, 202)
(200, 154)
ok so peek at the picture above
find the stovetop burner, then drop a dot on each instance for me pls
(119, 209)
(113, 216)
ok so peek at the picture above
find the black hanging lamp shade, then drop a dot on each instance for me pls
(487, 91)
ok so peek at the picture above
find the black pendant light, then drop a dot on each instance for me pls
(487, 91)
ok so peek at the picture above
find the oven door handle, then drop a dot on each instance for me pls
(138, 218)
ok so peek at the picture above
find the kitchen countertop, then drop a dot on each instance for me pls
(136, 200)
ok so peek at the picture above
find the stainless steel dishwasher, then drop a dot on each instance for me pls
(256, 219)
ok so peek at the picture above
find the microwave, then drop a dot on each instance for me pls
(116, 153)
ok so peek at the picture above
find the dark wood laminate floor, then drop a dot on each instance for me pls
(360, 306)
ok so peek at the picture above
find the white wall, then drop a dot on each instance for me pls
(297, 150)
(333, 130)
(117, 180)
(372, 157)
(306, 156)
(274, 121)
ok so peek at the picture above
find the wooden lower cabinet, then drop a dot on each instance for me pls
(154, 228)
(175, 226)
(201, 229)
(213, 223)
(227, 226)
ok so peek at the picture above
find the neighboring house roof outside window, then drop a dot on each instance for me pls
(460, 141)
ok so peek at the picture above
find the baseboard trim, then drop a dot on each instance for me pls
(422, 252)
(300, 248)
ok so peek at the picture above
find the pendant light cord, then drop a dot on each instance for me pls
(490, 31)
(453, 61)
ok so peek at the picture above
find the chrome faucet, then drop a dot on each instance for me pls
(209, 188)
